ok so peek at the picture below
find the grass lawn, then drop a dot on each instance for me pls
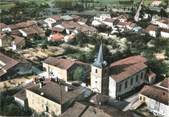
(6, 5)
(147, 2)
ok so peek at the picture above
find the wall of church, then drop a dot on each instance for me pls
(120, 88)
(112, 87)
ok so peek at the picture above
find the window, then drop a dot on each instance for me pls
(136, 78)
(47, 108)
(140, 97)
(142, 75)
(96, 71)
(119, 87)
(126, 83)
(131, 81)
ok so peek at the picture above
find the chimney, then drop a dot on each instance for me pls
(40, 84)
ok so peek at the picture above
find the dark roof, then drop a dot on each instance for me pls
(99, 61)
(156, 93)
(109, 20)
(56, 17)
(59, 62)
(106, 111)
(69, 24)
(33, 30)
(165, 83)
(75, 110)
(21, 95)
(127, 67)
(151, 28)
(57, 29)
(63, 63)
(22, 25)
(9, 63)
(52, 91)
(18, 39)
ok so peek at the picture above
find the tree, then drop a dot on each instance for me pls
(77, 73)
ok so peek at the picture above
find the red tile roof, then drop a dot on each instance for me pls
(156, 93)
(151, 28)
(9, 63)
(56, 17)
(127, 67)
(22, 25)
(165, 83)
(63, 63)
(69, 24)
(60, 62)
(57, 37)
(18, 39)
(52, 90)
(154, 27)
(2, 25)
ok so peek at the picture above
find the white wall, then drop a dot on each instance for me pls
(158, 108)
(112, 88)
(0, 43)
(20, 102)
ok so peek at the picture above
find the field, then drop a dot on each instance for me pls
(6, 5)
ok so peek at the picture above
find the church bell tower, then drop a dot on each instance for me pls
(99, 74)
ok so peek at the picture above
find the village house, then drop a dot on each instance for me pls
(76, 27)
(69, 26)
(79, 109)
(7, 67)
(20, 99)
(53, 98)
(108, 21)
(120, 77)
(102, 17)
(76, 110)
(50, 22)
(67, 18)
(13, 42)
(70, 38)
(58, 29)
(32, 31)
(161, 22)
(57, 37)
(62, 68)
(156, 98)
(21, 25)
(156, 3)
(106, 111)
(151, 30)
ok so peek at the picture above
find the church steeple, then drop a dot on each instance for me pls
(99, 61)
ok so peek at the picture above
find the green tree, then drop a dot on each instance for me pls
(77, 73)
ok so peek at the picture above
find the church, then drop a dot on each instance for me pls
(120, 77)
